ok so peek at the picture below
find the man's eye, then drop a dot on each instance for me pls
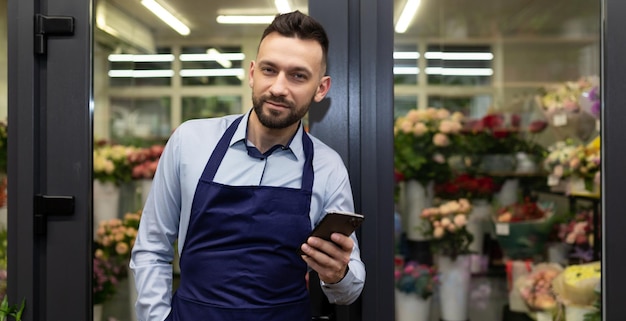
(299, 76)
(267, 70)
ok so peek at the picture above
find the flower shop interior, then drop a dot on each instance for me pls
(498, 210)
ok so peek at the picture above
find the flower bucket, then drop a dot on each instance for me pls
(145, 185)
(97, 312)
(577, 185)
(106, 199)
(418, 197)
(411, 307)
(454, 284)
(132, 293)
(477, 223)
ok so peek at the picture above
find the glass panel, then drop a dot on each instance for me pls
(140, 121)
(473, 107)
(467, 65)
(205, 107)
(148, 79)
(127, 69)
(525, 77)
(405, 65)
(212, 66)
(402, 105)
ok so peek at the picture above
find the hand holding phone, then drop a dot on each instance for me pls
(336, 222)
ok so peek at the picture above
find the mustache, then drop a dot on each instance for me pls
(277, 100)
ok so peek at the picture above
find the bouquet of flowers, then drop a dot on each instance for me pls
(144, 161)
(577, 284)
(115, 238)
(578, 232)
(536, 287)
(523, 228)
(104, 279)
(412, 277)
(468, 186)
(495, 140)
(423, 141)
(447, 224)
(566, 159)
(567, 95)
(111, 164)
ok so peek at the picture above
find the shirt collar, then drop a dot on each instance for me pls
(294, 145)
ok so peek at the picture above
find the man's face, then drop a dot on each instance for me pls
(285, 78)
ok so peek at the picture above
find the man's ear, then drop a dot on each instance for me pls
(251, 74)
(322, 89)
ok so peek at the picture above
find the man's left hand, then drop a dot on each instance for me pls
(329, 259)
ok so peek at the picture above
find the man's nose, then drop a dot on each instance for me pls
(279, 86)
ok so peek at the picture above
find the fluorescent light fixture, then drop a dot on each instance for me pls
(409, 11)
(406, 70)
(459, 71)
(165, 73)
(166, 16)
(245, 19)
(282, 6)
(141, 58)
(459, 55)
(209, 57)
(406, 55)
(237, 72)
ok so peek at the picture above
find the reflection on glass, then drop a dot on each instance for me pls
(140, 121)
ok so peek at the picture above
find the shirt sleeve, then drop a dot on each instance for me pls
(339, 197)
(153, 251)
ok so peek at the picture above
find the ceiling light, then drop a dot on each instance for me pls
(141, 73)
(406, 55)
(214, 54)
(406, 70)
(282, 6)
(409, 11)
(166, 16)
(262, 20)
(459, 55)
(459, 71)
(141, 58)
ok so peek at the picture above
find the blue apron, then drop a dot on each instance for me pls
(240, 258)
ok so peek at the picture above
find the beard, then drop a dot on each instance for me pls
(274, 119)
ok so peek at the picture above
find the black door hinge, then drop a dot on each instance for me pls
(51, 26)
(48, 205)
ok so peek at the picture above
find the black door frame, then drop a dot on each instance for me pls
(359, 125)
(50, 153)
(613, 159)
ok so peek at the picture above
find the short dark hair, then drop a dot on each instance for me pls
(297, 24)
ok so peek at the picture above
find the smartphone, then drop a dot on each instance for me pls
(336, 222)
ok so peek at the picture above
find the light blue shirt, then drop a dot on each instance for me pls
(167, 210)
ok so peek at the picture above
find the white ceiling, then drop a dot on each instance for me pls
(436, 18)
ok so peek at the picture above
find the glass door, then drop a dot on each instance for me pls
(497, 103)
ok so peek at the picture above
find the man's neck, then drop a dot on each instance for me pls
(265, 138)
